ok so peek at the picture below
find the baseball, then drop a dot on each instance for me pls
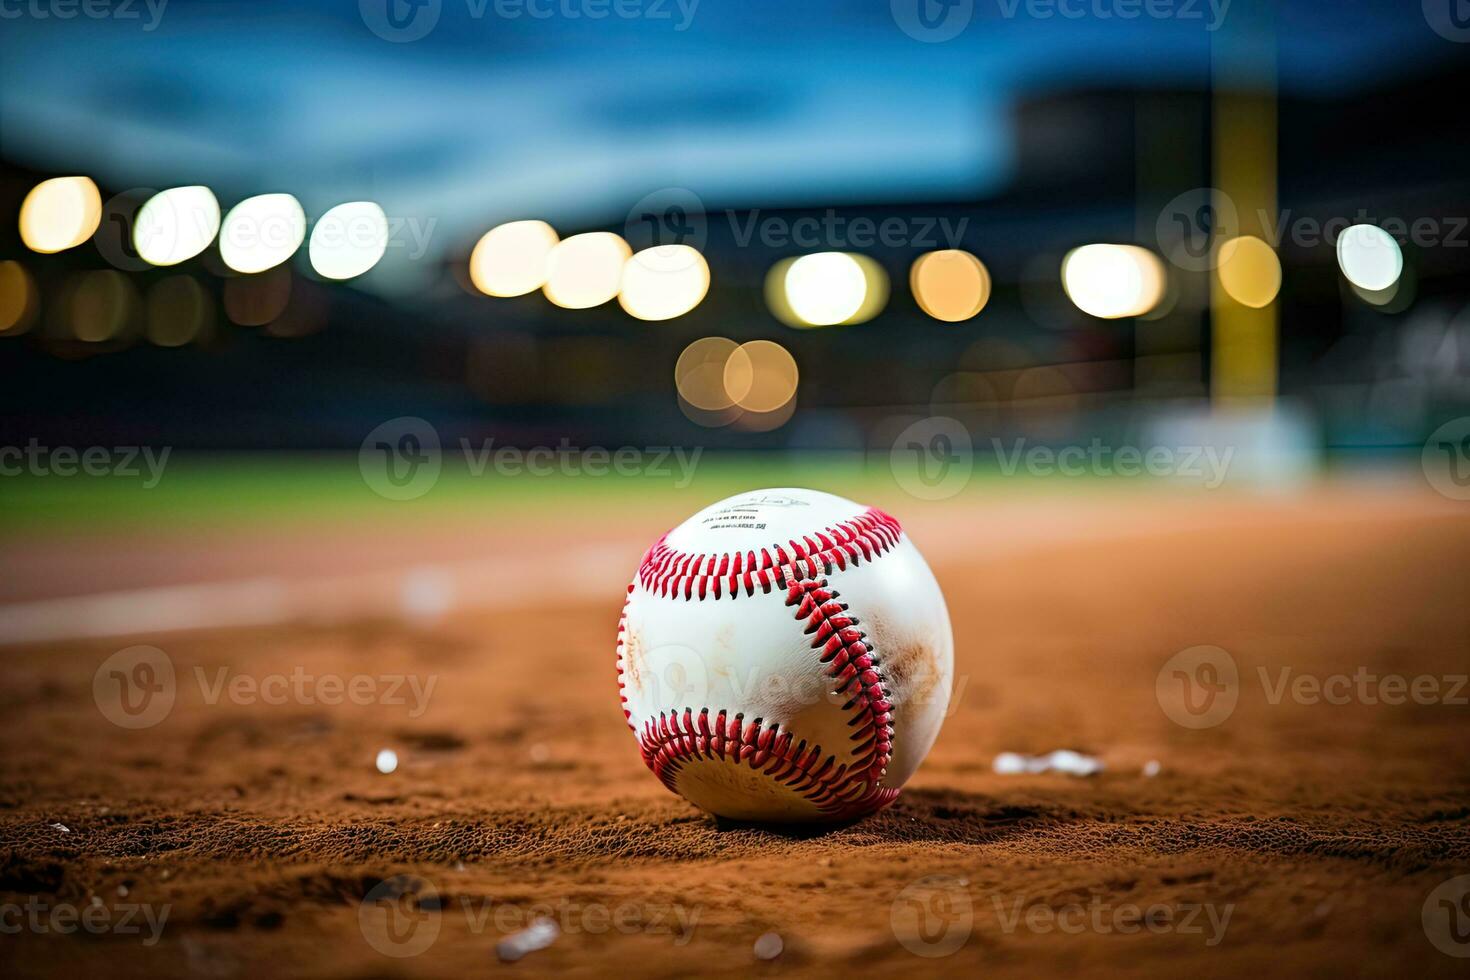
(785, 655)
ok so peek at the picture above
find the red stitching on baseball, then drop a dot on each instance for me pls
(670, 573)
(853, 664)
(669, 742)
(837, 792)
(622, 636)
(849, 789)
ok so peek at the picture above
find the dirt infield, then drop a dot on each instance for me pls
(236, 836)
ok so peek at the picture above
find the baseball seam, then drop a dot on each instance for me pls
(853, 664)
(622, 638)
(838, 790)
(669, 573)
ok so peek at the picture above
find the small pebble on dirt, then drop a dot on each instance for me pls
(537, 935)
(1063, 761)
(769, 946)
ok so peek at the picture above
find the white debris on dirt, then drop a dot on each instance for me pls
(1009, 764)
(537, 935)
(387, 761)
(769, 946)
(61, 827)
(425, 594)
(1075, 763)
(1064, 761)
(1151, 768)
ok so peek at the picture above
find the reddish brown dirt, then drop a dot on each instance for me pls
(1318, 829)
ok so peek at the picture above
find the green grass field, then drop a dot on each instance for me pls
(223, 490)
(232, 490)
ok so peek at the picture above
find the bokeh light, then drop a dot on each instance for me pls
(348, 240)
(875, 292)
(664, 282)
(1369, 257)
(510, 259)
(586, 270)
(699, 374)
(710, 419)
(1396, 298)
(1249, 271)
(825, 288)
(59, 214)
(750, 386)
(102, 306)
(950, 285)
(254, 301)
(19, 300)
(175, 225)
(179, 311)
(261, 232)
(761, 376)
(1113, 281)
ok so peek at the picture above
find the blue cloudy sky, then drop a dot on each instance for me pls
(510, 108)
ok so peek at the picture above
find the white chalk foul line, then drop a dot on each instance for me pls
(420, 593)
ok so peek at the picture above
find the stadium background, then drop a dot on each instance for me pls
(289, 528)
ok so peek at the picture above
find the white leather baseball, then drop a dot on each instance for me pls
(785, 655)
